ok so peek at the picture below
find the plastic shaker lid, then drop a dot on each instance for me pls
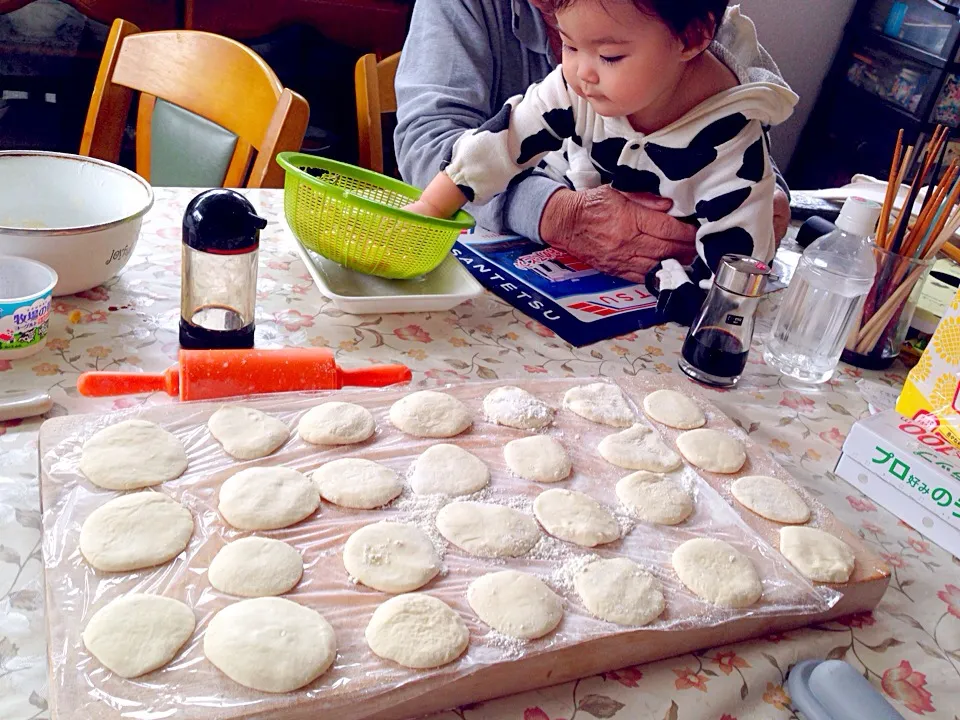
(859, 216)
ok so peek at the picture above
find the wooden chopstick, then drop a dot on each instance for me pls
(933, 211)
(951, 251)
(892, 189)
(907, 210)
(907, 158)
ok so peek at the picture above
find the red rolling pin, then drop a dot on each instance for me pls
(208, 374)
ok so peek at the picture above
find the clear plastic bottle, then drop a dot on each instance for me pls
(825, 297)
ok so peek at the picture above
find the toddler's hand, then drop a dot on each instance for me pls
(423, 208)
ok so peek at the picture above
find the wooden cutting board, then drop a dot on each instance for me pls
(361, 686)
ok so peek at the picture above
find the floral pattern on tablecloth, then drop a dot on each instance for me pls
(909, 648)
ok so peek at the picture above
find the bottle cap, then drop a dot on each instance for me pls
(859, 216)
(742, 274)
(222, 222)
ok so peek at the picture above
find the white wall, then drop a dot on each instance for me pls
(802, 36)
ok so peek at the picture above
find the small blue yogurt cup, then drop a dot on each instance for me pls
(26, 287)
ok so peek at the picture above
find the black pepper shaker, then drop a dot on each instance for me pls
(716, 347)
(218, 291)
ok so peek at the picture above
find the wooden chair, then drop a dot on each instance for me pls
(375, 96)
(210, 76)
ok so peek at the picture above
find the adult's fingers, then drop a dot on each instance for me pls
(660, 225)
(649, 201)
(781, 214)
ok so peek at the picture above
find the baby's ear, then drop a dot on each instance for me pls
(697, 36)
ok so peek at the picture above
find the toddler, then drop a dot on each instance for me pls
(643, 100)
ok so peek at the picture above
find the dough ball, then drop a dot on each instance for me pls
(620, 591)
(391, 557)
(538, 458)
(430, 414)
(336, 423)
(674, 409)
(717, 572)
(270, 644)
(575, 517)
(135, 531)
(639, 448)
(417, 631)
(448, 470)
(516, 604)
(255, 567)
(516, 408)
(488, 530)
(357, 483)
(818, 555)
(267, 498)
(132, 454)
(245, 433)
(600, 402)
(712, 450)
(137, 633)
(655, 498)
(771, 498)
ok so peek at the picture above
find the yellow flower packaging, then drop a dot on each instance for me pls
(929, 395)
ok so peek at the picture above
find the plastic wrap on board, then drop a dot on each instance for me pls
(191, 687)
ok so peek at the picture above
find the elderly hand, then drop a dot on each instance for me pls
(617, 233)
(781, 214)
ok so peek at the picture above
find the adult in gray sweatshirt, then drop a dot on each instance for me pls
(461, 61)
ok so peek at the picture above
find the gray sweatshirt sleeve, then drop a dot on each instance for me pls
(444, 86)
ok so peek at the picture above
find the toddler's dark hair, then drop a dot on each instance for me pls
(679, 15)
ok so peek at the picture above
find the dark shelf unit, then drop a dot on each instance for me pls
(878, 84)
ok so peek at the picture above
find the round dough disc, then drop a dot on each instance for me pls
(575, 517)
(488, 530)
(655, 498)
(818, 555)
(516, 604)
(639, 448)
(137, 633)
(245, 433)
(357, 483)
(712, 450)
(336, 423)
(516, 408)
(448, 470)
(132, 454)
(717, 572)
(270, 644)
(417, 631)
(267, 498)
(255, 567)
(600, 402)
(538, 458)
(771, 498)
(430, 414)
(391, 557)
(674, 409)
(620, 591)
(135, 531)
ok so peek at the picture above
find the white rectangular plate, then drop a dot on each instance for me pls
(359, 294)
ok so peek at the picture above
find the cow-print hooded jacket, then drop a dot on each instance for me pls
(713, 163)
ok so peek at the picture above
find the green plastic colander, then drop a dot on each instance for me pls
(353, 217)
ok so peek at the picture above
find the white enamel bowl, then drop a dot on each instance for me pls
(79, 215)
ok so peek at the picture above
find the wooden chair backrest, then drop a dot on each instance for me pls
(375, 95)
(210, 75)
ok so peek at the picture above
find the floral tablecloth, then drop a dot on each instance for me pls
(909, 647)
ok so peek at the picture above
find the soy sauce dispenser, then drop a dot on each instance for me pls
(218, 290)
(715, 350)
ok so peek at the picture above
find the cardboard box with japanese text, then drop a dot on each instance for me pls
(915, 459)
(926, 523)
